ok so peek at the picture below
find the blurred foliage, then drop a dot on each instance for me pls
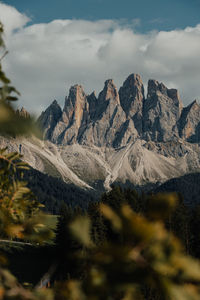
(19, 211)
(140, 260)
(11, 290)
(20, 217)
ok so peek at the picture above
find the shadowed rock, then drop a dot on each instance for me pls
(131, 98)
(49, 119)
(109, 117)
(162, 110)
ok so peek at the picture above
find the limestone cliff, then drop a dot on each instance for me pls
(114, 119)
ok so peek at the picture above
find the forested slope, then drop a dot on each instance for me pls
(53, 191)
(188, 186)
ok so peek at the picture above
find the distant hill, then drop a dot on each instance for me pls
(188, 186)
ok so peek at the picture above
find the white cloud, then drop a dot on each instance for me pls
(46, 59)
(11, 18)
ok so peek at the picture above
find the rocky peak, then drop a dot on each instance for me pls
(189, 123)
(75, 117)
(162, 110)
(175, 96)
(76, 94)
(115, 119)
(55, 103)
(108, 101)
(23, 113)
(154, 87)
(109, 92)
(92, 102)
(133, 83)
(49, 118)
(194, 105)
(54, 108)
(131, 98)
(93, 95)
(106, 128)
(75, 106)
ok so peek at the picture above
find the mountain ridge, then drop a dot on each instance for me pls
(115, 118)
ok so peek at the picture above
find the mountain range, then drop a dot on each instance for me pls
(119, 136)
(116, 118)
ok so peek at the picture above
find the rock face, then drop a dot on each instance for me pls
(108, 119)
(74, 117)
(88, 120)
(48, 119)
(162, 110)
(23, 113)
(93, 104)
(189, 125)
(114, 119)
(75, 111)
(132, 99)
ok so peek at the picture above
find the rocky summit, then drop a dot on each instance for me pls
(116, 118)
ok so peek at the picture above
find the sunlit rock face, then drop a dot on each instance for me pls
(23, 113)
(189, 124)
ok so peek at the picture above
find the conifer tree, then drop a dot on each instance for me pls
(66, 245)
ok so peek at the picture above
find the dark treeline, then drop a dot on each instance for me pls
(187, 185)
(184, 221)
(52, 191)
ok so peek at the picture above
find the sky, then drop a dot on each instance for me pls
(55, 44)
